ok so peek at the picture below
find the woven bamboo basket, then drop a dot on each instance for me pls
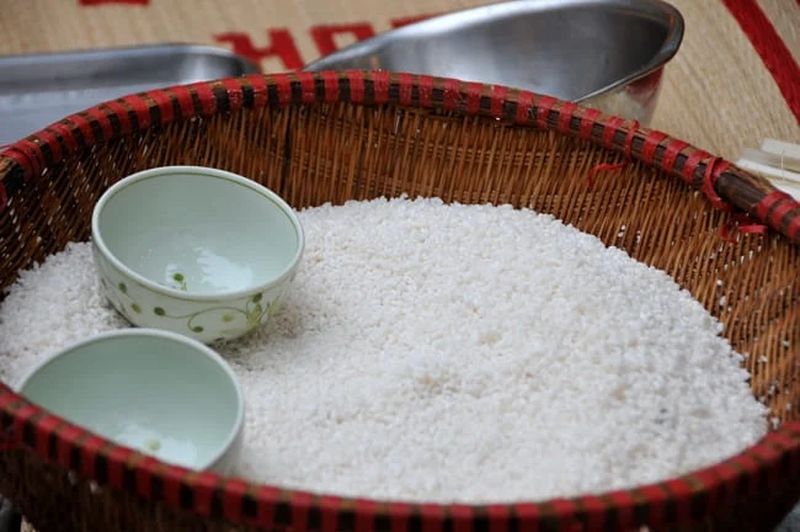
(335, 136)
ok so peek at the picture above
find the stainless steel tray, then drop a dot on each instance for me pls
(38, 89)
(607, 54)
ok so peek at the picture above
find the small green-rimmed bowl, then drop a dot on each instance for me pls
(155, 391)
(194, 250)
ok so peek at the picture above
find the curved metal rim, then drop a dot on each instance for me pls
(667, 51)
(656, 9)
(132, 52)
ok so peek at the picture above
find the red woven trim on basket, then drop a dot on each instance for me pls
(44, 428)
(381, 81)
(499, 517)
(432, 517)
(527, 516)
(284, 88)
(565, 114)
(400, 515)
(775, 218)
(656, 499)
(691, 164)
(140, 108)
(769, 458)
(64, 132)
(749, 467)
(171, 490)
(356, 80)
(118, 458)
(588, 120)
(404, 84)
(98, 116)
(163, 102)
(48, 138)
(235, 92)
(461, 517)
(774, 207)
(498, 98)
(90, 447)
(308, 93)
(727, 484)
(233, 495)
(672, 149)
(623, 507)
(204, 484)
(594, 509)
(681, 496)
(301, 503)
(185, 101)
(473, 93)
(714, 168)
(257, 83)
(365, 510)
(80, 124)
(612, 125)
(544, 104)
(16, 154)
(524, 107)
(330, 512)
(67, 442)
(706, 479)
(120, 114)
(266, 498)
(425, 88)
(451, 95)
(143, 473)
(765, 206)
(562, 511)
(627, 148)
(208, 101)
(98, 122)
(651, 142)
(330, 82)
(34, 153)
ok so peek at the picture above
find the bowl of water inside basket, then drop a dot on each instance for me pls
(154, 391)
(194, 250)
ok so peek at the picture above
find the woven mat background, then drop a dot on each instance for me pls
(718, 92)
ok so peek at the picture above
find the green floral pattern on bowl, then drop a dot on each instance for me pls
(208, 322)
(197, 251)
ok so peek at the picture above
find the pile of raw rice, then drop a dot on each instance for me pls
(440, 353)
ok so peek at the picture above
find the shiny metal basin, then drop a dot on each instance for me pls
(38, 89)
(604, 53)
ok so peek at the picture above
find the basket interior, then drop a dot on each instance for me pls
(341, 151)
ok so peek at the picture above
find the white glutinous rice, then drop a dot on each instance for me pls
(436, 352)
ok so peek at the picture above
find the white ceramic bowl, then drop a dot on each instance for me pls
(194, 250)
(155, 391)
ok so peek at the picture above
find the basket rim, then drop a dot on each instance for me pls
(679, 500)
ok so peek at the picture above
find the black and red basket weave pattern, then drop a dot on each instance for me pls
(677, 502)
